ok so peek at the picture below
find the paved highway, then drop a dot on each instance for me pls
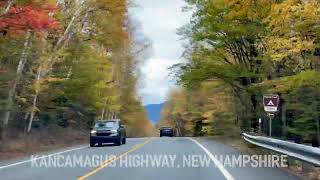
(141, 158)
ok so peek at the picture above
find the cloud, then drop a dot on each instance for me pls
(160, 21)
(156, 81)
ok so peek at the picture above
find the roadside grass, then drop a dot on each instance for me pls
(47, 139)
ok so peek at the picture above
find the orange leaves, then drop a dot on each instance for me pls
(33, 17)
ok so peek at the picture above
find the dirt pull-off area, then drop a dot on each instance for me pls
(48, 139)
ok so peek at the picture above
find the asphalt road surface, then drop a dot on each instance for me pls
(175, 158)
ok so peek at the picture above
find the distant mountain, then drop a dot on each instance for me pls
(154, 112)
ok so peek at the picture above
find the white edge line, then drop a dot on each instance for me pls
(41, 157)
(226, 174)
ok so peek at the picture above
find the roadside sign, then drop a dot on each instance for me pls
(270, 103)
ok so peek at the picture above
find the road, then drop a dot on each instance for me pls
(141, 158)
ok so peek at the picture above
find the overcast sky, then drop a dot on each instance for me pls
(160, 20)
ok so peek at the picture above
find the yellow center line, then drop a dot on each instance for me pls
(109, 161)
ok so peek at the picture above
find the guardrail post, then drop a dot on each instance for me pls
(307, 167)
(291, 161)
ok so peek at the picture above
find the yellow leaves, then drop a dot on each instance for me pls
(242, 9)
(208, 114)
(207, 130)
(54, 79)
(33, 109)
(113, 102)
(208, 105)
(248, 9)
(285, 16)
(293, 26)
(311, 10)
(281, 47)
(281, 16)
(115, 107)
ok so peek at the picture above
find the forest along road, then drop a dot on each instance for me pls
(175, 158)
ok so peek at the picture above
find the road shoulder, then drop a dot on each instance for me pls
(224, 147)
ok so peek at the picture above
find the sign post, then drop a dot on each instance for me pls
(270, 115)
(260, 125)
(270, 103)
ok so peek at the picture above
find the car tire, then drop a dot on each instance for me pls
(124, 140)
(92, 144)
(118, 143)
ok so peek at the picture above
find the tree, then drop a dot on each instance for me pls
(247, 44)
(32, 18)
(68, 63)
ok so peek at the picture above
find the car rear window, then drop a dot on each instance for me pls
(166, 129)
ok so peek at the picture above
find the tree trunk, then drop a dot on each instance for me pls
(25, 123)
(102, 114)
(6, 10)
(103, 111)
(64, 39)
(69, 72)
(317, 124)
(178, 125)
(69, 27)
(34, 103)
(61, 42)
(12, 90)
(107, 114)
(318, 132)
(283, 118)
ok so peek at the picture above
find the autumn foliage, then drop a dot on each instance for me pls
(66, 64)
(34, 17)
(247, 48)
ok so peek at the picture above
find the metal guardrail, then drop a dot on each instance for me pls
(299, 151)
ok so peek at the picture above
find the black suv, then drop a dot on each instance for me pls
(166, 131)
(108, 131)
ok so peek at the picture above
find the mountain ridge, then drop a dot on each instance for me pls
(154, 112)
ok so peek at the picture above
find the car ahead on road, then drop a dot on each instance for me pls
(108, 131)
(166, 131)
